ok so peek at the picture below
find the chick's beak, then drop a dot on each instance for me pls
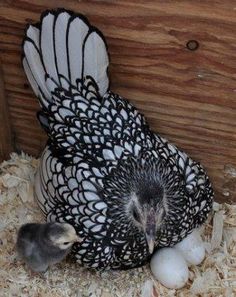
(77, 239)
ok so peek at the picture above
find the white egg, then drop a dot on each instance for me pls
(170, 268)
(192, 248)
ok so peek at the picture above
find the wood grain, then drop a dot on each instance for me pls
(187, 96)
(6, 144)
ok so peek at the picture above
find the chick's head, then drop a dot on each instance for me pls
(62, 235)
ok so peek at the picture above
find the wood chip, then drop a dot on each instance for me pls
(217, 232)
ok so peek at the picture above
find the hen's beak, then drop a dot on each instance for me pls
(151, 230)
(151, 242)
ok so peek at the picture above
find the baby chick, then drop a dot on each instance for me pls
(41, 245)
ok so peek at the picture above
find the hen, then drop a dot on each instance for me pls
(126, 190)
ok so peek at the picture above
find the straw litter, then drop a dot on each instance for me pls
(216, 276)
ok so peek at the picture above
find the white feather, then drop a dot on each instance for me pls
(108, 154)
(96, 228)
(35, 64)
(51, 85)
(30, 77)
(100, 205)
(60, 44)
(96, 61)
(77, 33)
(88, 224)
(47, 46)
(87, 186)
(33, 34)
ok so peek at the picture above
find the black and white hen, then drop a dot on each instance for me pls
(125, 189)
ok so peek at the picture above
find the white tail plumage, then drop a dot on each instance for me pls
(61, 50)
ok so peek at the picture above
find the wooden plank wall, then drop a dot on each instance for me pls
(187, 95)
(5, 124)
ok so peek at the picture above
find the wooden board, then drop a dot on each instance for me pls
(188, 96)
(6, 136)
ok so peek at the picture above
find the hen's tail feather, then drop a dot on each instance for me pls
(66, 61)
(62, 50)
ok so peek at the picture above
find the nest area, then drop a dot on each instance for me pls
(216, 276)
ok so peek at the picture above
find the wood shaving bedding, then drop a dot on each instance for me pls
(216, 276)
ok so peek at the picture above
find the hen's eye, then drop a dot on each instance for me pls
(136, 215)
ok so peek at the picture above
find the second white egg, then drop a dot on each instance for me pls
(192, 248)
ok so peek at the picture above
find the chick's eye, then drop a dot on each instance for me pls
(65, 243)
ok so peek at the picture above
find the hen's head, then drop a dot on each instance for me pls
(141, 193)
